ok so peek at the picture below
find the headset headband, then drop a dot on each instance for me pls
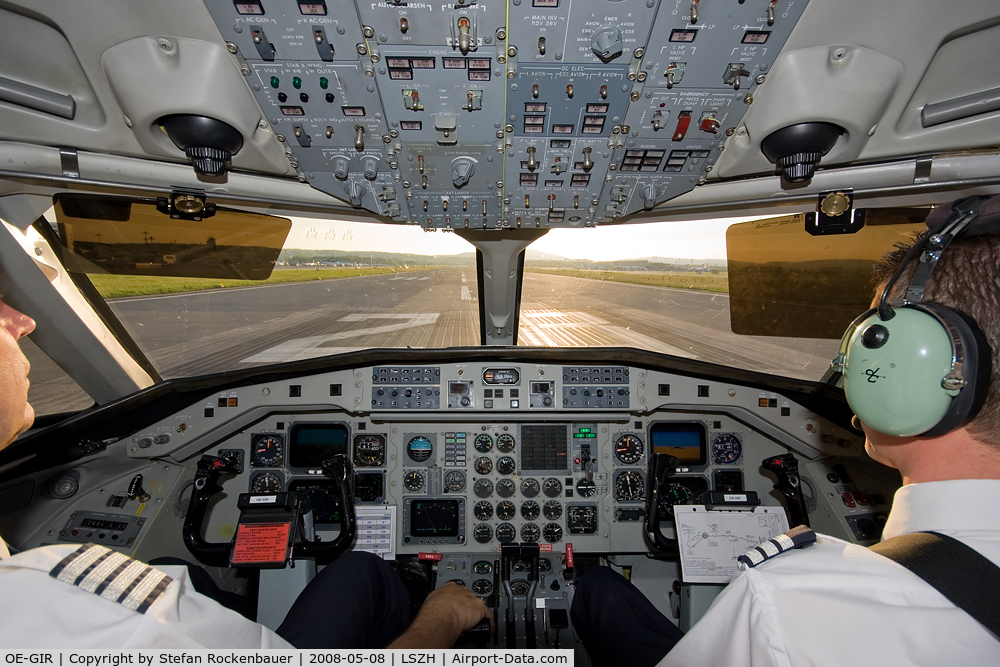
(931, 246)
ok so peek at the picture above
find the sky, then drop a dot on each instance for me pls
(698, 239)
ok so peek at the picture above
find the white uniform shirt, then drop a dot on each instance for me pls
(836, 603)
(39, 611)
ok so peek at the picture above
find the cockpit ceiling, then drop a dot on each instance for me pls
(476, 115)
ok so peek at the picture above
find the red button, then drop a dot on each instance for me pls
(848, 500)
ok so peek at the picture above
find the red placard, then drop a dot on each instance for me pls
(261, 543)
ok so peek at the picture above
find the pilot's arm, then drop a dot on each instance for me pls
(735, 631)
(446, 613)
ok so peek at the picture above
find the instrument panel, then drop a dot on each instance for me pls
(498, 465)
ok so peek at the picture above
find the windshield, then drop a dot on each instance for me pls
(340, 287)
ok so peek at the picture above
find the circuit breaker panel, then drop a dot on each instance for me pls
(486, 114)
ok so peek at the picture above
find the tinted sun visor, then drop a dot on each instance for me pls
(133, 237)
(785, 282)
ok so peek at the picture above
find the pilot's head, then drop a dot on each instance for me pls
(966, 280)
(16, 414)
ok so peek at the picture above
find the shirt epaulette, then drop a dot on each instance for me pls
(797, 537)
(113, 576)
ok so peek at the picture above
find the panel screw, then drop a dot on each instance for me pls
(512, 51)
(362, 49)
(369, 31)
(280, 137)
(760, 79)
(166, 44)
(229, 45)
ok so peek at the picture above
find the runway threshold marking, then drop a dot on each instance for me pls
(570, 328)
(318, 346)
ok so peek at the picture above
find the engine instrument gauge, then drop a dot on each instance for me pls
(581, 519)
(482, 567)
(530, 532)
(585, 488)
(629, 448)
(483, 488)
(483, 465)
(369, 451)
(506, 510)
(266, 482)
(726, 448)
(505, 488)
(483, 510)
(413, 480)
(268, 450)
(520, 588)
(530, 487)
(419, 449)
(506, 465)
(552, 532)
(482, 587)
(506, 533)
(483, 533)
(530, 510)
(552, 510)
(629, 485)
(505, 442)
(483, 442)
(454, 481)
(552, 487)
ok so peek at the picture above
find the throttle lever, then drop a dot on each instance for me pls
(786, 468)
(479, 635)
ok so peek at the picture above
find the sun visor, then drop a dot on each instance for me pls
(785, 282)
(133, 237)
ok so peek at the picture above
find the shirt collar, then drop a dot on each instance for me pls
(950, 505)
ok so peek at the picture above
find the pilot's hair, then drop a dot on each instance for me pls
(966, 279)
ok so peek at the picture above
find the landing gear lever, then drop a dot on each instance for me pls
(786, 468)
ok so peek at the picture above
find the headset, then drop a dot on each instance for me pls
(912, 368)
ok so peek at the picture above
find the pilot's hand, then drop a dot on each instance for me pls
(446, 613)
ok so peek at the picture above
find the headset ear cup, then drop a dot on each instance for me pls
(977, 369)
(893, 370)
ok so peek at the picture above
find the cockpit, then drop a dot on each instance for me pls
(499, 286)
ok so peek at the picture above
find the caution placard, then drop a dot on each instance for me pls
(261, 543)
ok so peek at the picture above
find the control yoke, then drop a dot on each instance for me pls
(206, 485)
(786, 468)
(661, 466)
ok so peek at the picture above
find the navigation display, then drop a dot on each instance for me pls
(685, 440)
(434, 518)
(310, 444)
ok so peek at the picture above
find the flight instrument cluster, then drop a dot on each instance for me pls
(484, 114)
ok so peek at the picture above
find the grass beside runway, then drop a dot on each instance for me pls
(116, 286)
(681, 280)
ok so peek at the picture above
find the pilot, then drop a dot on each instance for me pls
(833, 602)
(73, 596)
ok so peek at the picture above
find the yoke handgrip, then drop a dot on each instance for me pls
(786, 468)
(660, 467)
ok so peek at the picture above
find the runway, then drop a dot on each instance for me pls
(226, 329)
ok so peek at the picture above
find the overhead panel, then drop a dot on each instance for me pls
(488, 115)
